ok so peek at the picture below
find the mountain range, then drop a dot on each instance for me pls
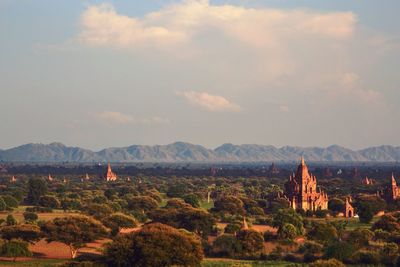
(186, 152)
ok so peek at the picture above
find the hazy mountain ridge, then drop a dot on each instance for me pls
(180, 151)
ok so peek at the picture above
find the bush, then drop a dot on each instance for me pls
(10, 220)
(366, 257)
(10, 201)
(339, 250)
(30, 216)
(226, 246)
(39, 209)
(14, 249)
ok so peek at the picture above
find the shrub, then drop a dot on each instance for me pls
(30, 216)
(366, 257)
(14, 249)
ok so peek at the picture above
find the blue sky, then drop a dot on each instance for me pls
(112, 73)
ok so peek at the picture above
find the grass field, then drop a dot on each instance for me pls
(353, 223)
(205, 205)
(33, 263)
(241, 263)
(18, 214)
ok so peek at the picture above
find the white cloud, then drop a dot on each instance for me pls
(210, 102)
(115, 117)
(178, 23)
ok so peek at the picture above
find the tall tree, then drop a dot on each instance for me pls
(36, 188)
(74, 231)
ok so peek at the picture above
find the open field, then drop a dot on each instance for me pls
(33, 263)
(241, 263)
(46, 216)
(353, 223)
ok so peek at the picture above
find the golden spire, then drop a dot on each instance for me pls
(302, 161)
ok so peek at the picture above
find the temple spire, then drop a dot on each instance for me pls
(302, 161)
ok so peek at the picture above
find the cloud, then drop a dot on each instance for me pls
(115, 117)
(174, 24)
(210, 102)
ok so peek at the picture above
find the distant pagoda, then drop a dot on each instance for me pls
(110, 176)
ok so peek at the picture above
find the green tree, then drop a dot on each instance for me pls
(226, 245)
(36, 188)
(30, 216)
(336, 205)
(322, 232)
(74, 231)
(193, 200)
(327, 263)
(15, 249)
(27, 232)
(49, 202)
(3, 205)
(229, 204)
(284, 216)
(251, 242)
(155, 245)
(10, 220)
(98, 211)
(10, 201)
(287, 231)
(365, 212)
(387, 223)
(360, 237)
(339, 250)
(116, 221)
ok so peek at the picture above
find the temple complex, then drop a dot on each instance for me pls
(391, 192)
(110, 176)
(367, 181)
(302, 192)
(348, 209)
(273, 169)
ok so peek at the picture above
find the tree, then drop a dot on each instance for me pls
(191, 219)
(229, 204)
(284, 216)
(226, 245)
(339, 250)
(14, 249)
(193, 200)
(142, 203)
(30, 216)
(287, 231)
(336, 205)
(10, 220)
(360, 237)
(322, 232)
(3, 205)
(117, 221)
(27, 232)
(387, 223)
(251, 242)
(98, 211)
(10, 201)
(36, 188)
(155, 245)
(49, 202)
(365, 212)
(74, 231)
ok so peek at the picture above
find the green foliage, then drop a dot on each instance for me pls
(366, 257)
(230, 205)
(27, 232)
(30, 216)
(49, 202)
(233, 227)
(387, 223)
(336, 205)
(36, 188)
(117, 221)
(74, 231)
(226, 245)
(251, 242)
(287, 231)
(155, 245)
(365, 212)
(193, 200)
(10, 220)
(14, 249)
(142, 203)
(10, 201)
(98, 211)
(389, 253)
(360, 237)
(285, 216)
(3, 205)
(339, 250)
(322, 232)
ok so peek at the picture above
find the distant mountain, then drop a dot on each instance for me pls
(181, 152)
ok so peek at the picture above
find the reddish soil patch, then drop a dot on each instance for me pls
(57, 250)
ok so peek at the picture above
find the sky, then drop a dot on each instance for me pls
(99, 74)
